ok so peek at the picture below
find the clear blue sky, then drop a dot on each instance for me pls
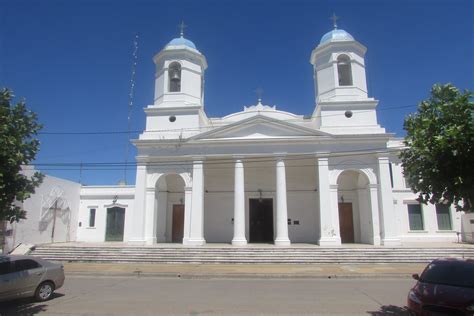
(71, 60)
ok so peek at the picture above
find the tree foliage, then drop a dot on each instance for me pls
(438, 162)
(18, 146)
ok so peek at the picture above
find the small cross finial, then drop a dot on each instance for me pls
(259, 92)
(182, 26)
(334, 19)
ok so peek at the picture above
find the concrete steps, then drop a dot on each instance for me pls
(229, 255)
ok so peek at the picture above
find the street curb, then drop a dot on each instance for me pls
(139, 274)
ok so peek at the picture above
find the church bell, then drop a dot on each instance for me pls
(175, 76)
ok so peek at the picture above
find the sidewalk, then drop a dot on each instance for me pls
(246, 270)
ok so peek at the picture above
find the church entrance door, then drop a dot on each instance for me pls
(346, 222)
(261, 220)
(177, 231)
(115, 224)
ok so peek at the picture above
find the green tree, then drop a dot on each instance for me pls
(18, 146)
(438, 162)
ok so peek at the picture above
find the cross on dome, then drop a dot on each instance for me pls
(259, 92)
(334, 19)
(182, 26)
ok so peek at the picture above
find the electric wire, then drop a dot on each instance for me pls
(214, 163)
(199, 128)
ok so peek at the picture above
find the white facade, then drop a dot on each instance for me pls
(51, 214)
(263, 175)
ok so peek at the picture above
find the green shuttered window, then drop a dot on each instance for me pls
(443, 216)
(415, 217)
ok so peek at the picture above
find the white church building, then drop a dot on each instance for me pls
(263, 175)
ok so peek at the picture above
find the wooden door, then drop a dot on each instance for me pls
(115, 224)
(177, 231)
(261, 220)
(346, 222)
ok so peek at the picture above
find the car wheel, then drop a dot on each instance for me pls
(44, 291)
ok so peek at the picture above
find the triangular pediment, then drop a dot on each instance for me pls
(259, 127)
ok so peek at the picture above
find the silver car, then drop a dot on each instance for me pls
(23, 276)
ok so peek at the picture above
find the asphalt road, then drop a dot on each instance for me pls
(87, 295)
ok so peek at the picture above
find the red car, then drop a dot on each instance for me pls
(446, 287)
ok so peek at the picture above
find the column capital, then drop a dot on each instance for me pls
(188, 189)
(322, 161)
(238, 157)
(280, 156)
(141, 161)
(382, 156)
(322, 154)
(198, 159)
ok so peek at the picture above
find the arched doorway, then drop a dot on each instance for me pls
(169, 201)
(355, 215)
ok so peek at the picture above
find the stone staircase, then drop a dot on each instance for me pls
(247, 255)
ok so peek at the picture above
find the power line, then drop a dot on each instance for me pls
(197, 128)
(208, 162)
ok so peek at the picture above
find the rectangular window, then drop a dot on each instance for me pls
(92, 217)
(443, 216)
(415, 217)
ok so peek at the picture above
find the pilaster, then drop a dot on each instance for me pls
(374, 211)
(138, 227)
(387, 212)
(188, 198)
(150, 217)
(328, 207)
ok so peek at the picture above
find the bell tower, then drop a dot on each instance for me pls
(342, 102)
(178, 107)
(179, 74)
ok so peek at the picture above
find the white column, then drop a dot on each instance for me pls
(328, 207)
(150, 217)
(387, 211)
(281, 210)
(161, 202)
(239, 205)
(374, 212)
(196, 229)
(136, 235)
(188, 197)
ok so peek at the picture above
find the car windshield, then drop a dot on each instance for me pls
(450, 273)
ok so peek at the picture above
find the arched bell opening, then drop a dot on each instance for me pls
(174, 77)
(344, 70)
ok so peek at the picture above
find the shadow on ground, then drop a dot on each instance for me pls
(25, 306)
(389, 310)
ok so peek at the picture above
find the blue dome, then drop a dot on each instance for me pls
(336, 35)
(181, 41)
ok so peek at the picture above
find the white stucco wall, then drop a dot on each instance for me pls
(100, 198)
(402, 197)
(38, 227)
(301, 197)
(467, 227)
